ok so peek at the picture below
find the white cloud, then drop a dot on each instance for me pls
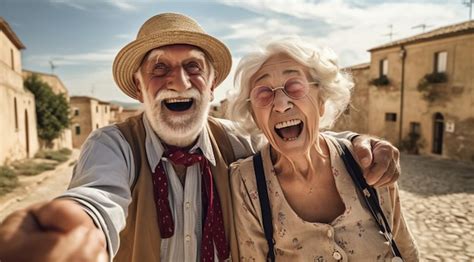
(125, 5)
(347, 28)
(101, 56)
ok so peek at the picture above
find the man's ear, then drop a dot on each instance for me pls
(138, 88)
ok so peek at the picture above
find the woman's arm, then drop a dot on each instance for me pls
(250, 236)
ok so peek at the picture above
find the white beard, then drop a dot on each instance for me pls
(182, 130)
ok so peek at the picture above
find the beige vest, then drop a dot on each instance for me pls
(140, 240)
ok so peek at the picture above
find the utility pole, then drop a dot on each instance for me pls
(469, 4)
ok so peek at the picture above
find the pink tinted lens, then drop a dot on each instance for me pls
(262, 95)
(296, 88)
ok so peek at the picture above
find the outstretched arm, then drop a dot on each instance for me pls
(59, 230)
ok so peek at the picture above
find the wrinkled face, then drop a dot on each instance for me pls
(176, 84)
(290, 125)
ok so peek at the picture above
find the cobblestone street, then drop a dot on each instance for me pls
(438, 199)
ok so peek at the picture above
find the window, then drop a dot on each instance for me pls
(78, 129)
(440, 60)
(12, 58)
(390, 117)
(15, 109)
(383, 67)
(415, 128)
(76, 111)
(96, 125)
(105, 109)
(97, 109)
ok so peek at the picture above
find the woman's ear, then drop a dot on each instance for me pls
(321, 108)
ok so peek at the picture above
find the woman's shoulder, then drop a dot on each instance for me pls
(243, 169)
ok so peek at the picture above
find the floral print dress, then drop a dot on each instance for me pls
(353, 236)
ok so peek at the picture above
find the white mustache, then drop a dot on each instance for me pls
(191, 93)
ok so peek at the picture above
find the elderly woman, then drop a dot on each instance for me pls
(289, 92)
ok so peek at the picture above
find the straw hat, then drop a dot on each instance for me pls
(168, 29)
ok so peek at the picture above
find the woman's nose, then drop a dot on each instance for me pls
(281, 102)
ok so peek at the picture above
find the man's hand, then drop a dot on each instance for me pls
(59, 230)
(380, 160)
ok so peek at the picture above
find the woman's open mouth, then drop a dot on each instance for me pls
(178, 104)
(289, 130)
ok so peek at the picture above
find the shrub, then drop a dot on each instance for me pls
(8, 180)
(380, 81)
(31, 168)
(59, 155)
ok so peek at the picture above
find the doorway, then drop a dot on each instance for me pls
(438, 132)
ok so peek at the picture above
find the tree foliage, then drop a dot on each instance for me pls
(52, 110)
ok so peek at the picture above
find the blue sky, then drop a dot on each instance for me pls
(82, 37)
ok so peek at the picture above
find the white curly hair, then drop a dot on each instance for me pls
(335, 84)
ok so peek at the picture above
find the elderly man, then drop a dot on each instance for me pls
(155, 187)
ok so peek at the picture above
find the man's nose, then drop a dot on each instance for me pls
(178, 80)
(281, 102)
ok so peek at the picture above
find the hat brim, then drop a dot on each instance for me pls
(128, 60)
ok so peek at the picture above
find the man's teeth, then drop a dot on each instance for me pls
(288, 123)
(178, 100)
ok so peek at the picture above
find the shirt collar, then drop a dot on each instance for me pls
(155, 149)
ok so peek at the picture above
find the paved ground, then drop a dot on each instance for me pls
(38, 188)
(438, 199)
(437, 195)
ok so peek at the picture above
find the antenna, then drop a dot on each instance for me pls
(391, 33)
(422, 26)
(469, 4)
(53, 66)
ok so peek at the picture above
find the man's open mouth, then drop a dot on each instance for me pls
(178, 104)
(289, 130)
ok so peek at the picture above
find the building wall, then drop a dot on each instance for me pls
(355, 118)
(83, 120)
(7, 51)
(93, 114)
(456, 102)
(17, 107)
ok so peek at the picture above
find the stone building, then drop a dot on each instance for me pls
(120, 113)
(418, 92)
(219, 111)
(18, 132)
(88, 114)
(65, 138)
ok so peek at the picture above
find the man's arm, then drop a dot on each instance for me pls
(98, 197)
(53, 231)
(379, 160)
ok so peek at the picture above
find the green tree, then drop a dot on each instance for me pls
(52, 110)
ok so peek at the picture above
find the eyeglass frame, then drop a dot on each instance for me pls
(279, 88)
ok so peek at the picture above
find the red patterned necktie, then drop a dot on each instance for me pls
(213, 227)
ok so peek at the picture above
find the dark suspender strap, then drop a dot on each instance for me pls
(264, 204)
(369, 193)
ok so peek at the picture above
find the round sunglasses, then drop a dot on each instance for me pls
(295, 88)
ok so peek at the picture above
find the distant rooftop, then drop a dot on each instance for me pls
(358, 67)
(5, 27)
(442, 32)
